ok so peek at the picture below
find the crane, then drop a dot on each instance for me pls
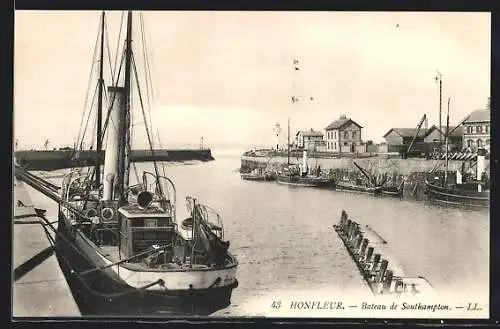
(405, 153)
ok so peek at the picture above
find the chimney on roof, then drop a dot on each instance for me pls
(343, 116)
(312, 130)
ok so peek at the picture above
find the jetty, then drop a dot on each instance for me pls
(60, 159)
(373, 267)
(39, 287)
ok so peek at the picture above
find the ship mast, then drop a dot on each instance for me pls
(99, 107)
(446, 142)
(124, 129)
(288, 144)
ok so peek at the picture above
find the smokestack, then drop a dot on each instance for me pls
(117, 98)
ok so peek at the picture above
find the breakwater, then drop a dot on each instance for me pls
(380, 164)
(374, 269)
(60, 159)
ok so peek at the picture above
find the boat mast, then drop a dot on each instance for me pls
(124, 129)
(288, 144)
(99, 107)
(446, 141)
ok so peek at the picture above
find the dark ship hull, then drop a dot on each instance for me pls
(260, 177)
(457, 197)
(307, 181)
(358, 188)
(102, 292)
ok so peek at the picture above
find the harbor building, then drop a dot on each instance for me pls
(343, 135)
(308, 139)
(476, 131)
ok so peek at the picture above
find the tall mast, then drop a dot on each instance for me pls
(288, 144)
(446, 141)
(124, 133)
(99, 106)
(439, 78)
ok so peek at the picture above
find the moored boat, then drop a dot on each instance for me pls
(349, 186)
(258, 175)
(119, 243)
(473, 193)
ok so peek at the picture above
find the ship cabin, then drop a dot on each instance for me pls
(142, 228)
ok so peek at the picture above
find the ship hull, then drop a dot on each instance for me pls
(359, 189)
(257, 177)
(453, 197)
(105, 292)
(304, 181)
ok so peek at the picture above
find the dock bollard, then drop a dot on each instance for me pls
(387, 281)
(383, 268)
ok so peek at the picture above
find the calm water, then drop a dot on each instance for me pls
(284, 240)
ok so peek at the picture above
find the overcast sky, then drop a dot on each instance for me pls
(229, 76)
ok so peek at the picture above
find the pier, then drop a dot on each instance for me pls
(60, 159)
(373, 267)
(39, 286)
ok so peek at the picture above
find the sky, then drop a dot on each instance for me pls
(229, 76)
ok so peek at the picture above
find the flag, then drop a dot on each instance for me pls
(312, 98)
(296, 68)
(295, 62)
(295, 99)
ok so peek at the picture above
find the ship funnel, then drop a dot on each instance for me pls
(144, 199)
(117, 96)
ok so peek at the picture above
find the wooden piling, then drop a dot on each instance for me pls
(364, 244)
(387, 281)
(369, 254)
(383, 268)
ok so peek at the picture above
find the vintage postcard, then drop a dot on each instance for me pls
(251, 164)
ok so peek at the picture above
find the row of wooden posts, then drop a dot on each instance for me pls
(373, 269)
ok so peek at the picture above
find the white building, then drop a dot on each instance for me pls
(476, 132)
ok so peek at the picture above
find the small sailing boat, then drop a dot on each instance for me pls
(472, 194)
(120, 242)
(357, 186)
(299, 175)
(259, 174)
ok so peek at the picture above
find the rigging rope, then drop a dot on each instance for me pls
(117, 47)
(146, 126)
(88, 84)
(88, 117)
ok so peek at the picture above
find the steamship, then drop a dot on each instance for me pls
(118, 243)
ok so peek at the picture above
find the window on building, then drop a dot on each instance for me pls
(469, 143)
(479, 143)
(335, 134)
(487, 128)
(478, 129)
(345, 143)
(335, 145)
(346, 135)
(353, 135)
(469, 129)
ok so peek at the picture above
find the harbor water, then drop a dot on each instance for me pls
(284, 239)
